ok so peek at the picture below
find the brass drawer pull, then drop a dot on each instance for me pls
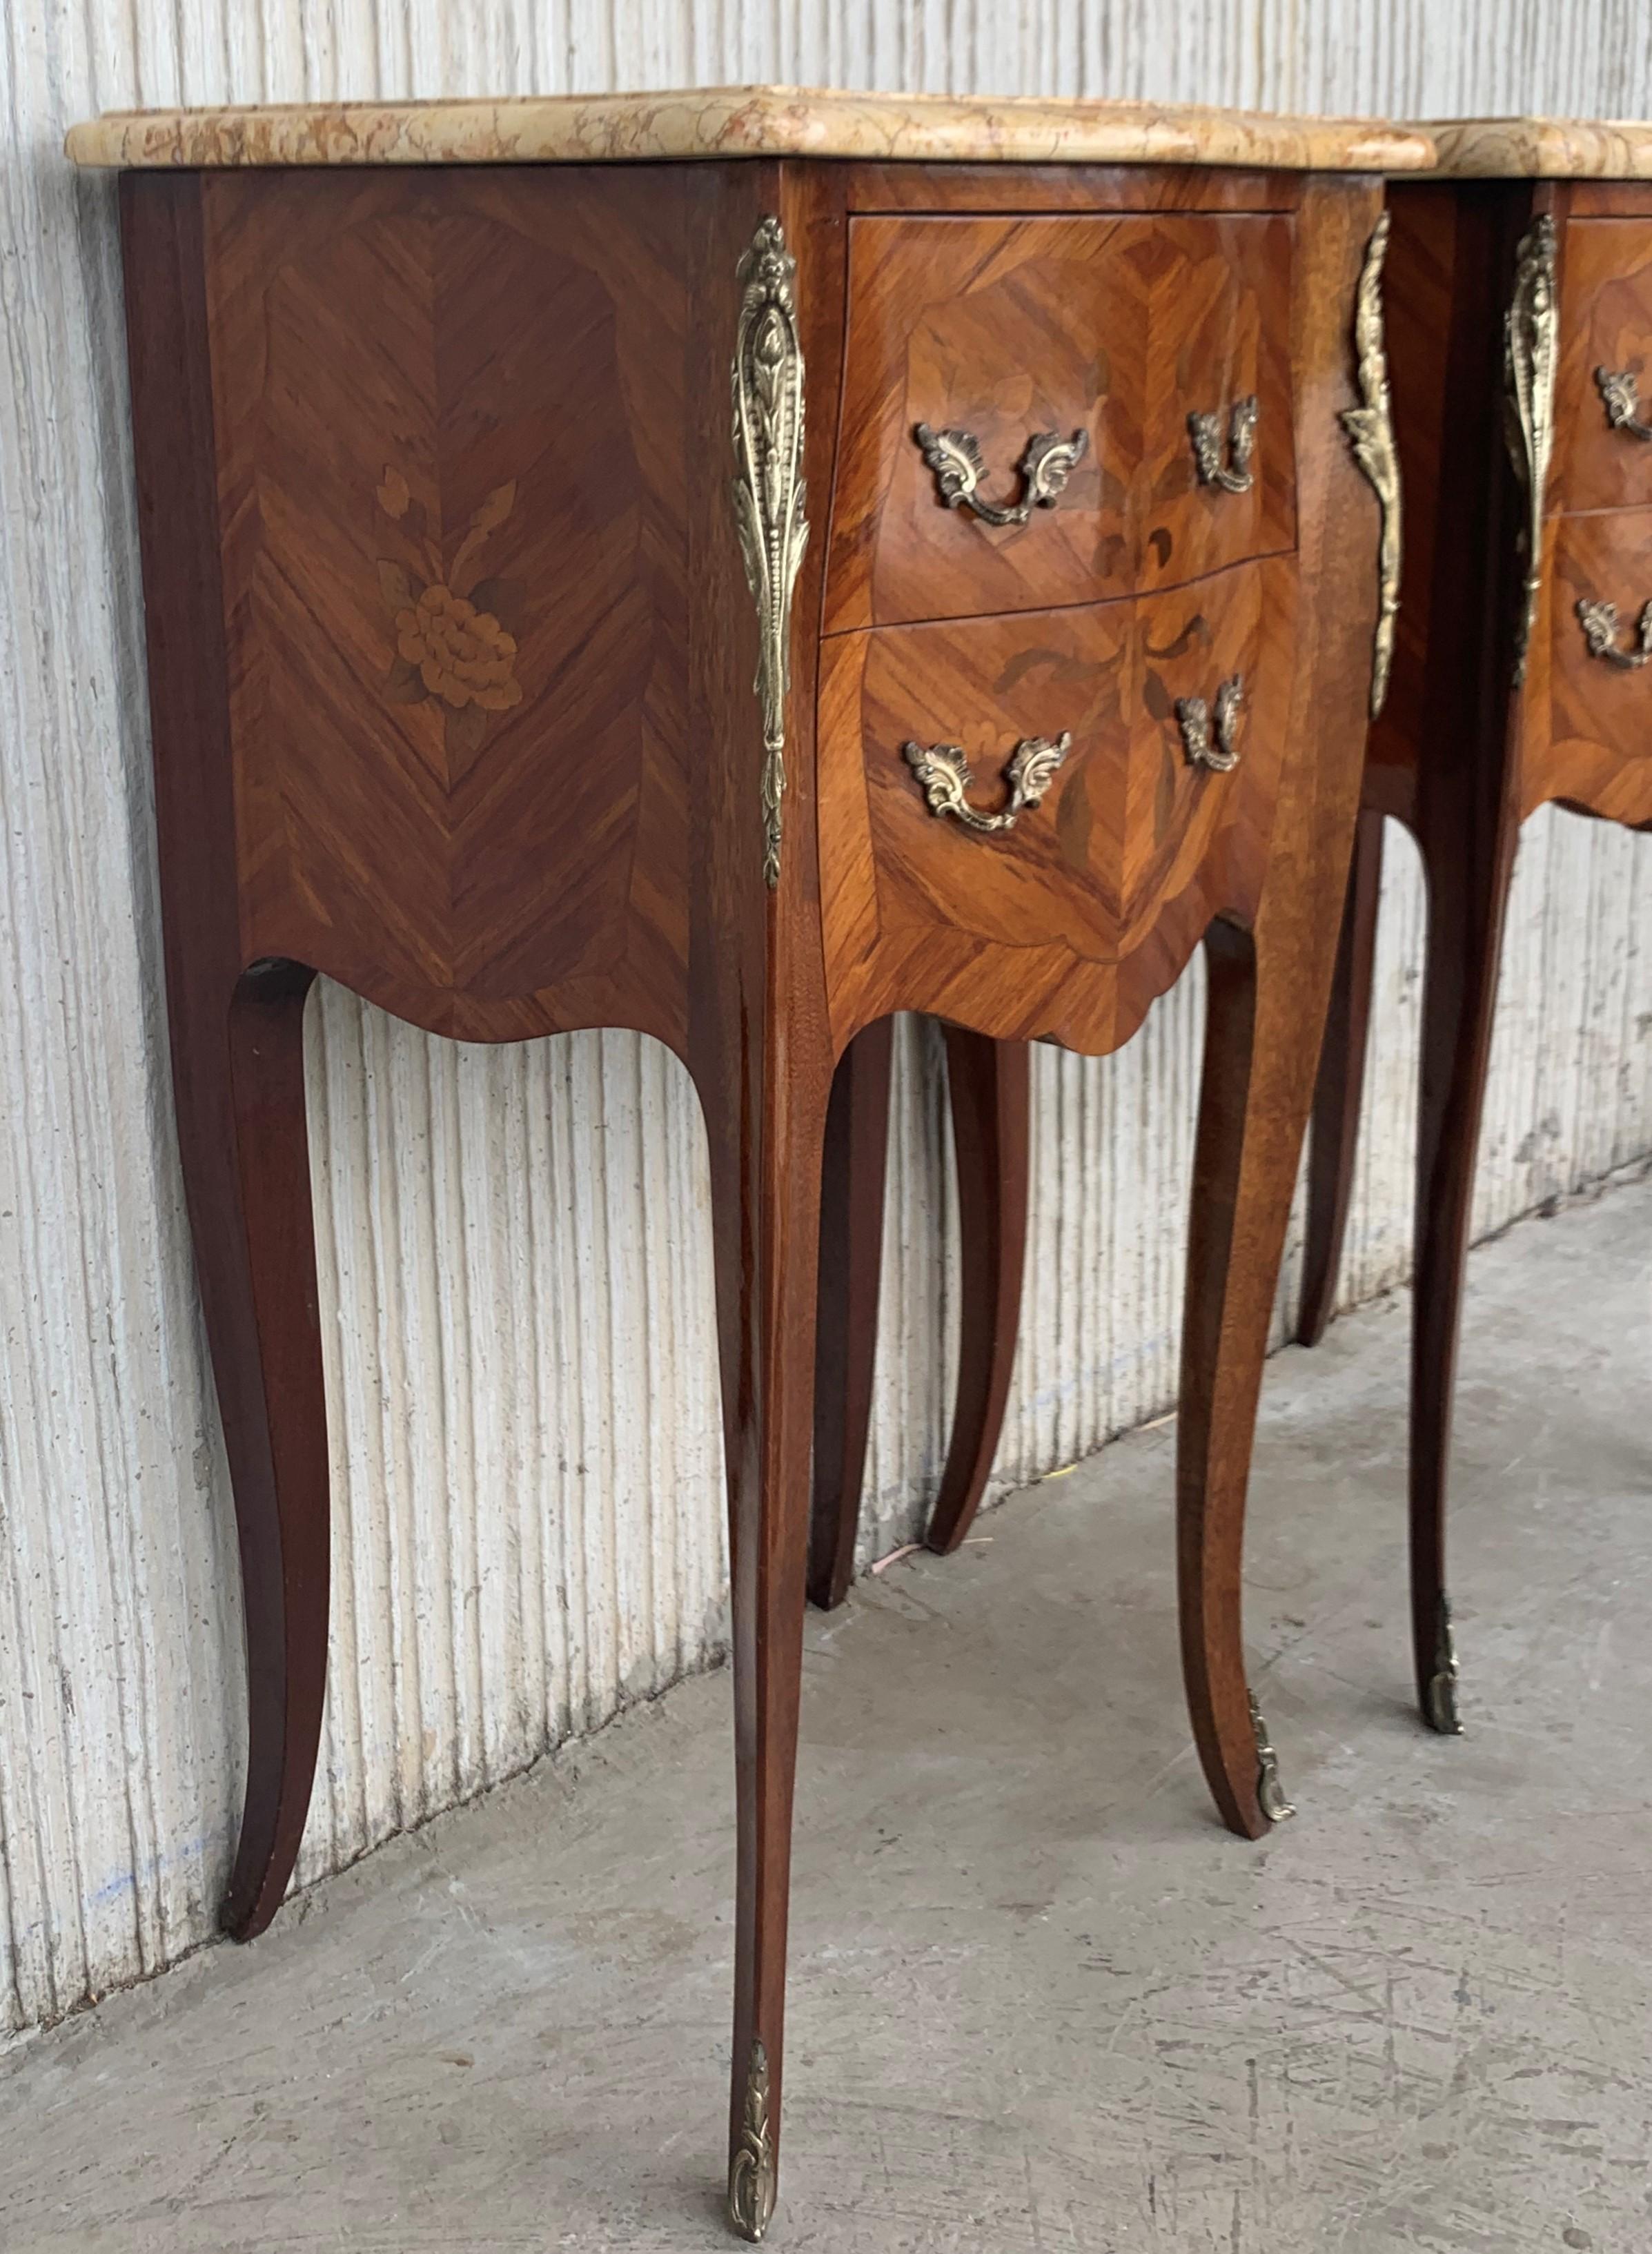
(1233, 476)
(943, 772)
(1599, 624)
(1622, 396)
(1193, 717)
(1045, 465)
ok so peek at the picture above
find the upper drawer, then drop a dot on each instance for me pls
(1116, 329)
(1603, 401)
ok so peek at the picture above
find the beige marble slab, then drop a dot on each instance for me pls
(745, 121)
(1543, 148)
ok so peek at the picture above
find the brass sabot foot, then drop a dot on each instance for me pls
(1270, 1792)
(752, 2166)
(1440, 1702)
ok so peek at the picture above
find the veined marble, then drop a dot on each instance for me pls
(748, 120)
(1544, 148)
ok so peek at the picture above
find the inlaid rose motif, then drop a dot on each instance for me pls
(464, 655)
(455, 646)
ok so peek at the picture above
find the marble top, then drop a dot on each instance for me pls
(1544, 148)
(743, 121)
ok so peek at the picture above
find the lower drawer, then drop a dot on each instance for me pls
(1004, 799)
(1587, 729)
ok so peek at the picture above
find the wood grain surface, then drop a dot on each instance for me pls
(989, 1098)
(1606, 322)
(988, 1085)
(1341, 1084)
(1586, 724)
(391, 481)
(1117, 327)
(1069, 925)
(852, 1242)
(1088, 188)
(237, 1050)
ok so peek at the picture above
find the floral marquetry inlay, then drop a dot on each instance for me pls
(454, 644)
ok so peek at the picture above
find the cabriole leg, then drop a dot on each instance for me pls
(246, 1155)
(990, 1084)
(1468, 893)
(987, 1087)
(765, 1213)
(852, 1242)
(1252, 1114)
(237, 1044)
(1340, 1085)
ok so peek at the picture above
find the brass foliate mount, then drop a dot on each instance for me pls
(1270, 1792)
(768, 490)
(1599, 624)
(943, 774)
(752, 2166)
(1439, 1706)
(1621, 392)
(1235, 475)
(955, 458)
(1210, 735)
(1530, 350)
(1370, 429)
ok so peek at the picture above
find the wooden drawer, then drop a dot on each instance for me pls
(1607, 332)
(1131, 847)
(1593, 744)
(1113, 331)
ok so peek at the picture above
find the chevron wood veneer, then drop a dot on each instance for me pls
(1104, 893)
(970, 322)
(382, 351)
(458, 584)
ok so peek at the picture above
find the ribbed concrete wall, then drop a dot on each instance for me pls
(529, 1521)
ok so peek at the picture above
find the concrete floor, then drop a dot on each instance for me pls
(1038, 2000)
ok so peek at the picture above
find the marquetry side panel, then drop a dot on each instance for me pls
(1069, 924)
(453, 417)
